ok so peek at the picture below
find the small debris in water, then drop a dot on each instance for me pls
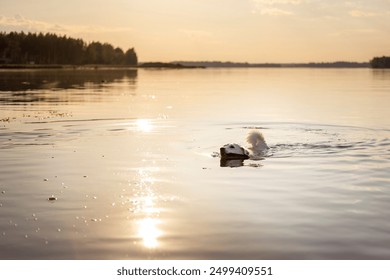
(3, 192)
(45, 179)
(58, 229)
(46, 242)
(52, 198)
(85, 176)
(215, 154)
(26, 236)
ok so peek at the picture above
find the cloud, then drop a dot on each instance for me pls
(20, 23)
(360, 13)
(359, 31)
(275, 7)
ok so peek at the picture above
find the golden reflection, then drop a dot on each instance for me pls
(149, 232)
(148, 213)
(144, 125)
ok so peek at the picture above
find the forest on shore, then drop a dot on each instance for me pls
(47, 50)
(380, 62)
(50, 49)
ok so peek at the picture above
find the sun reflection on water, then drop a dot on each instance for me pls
(148, 213)
(144, 125)
(149, 232)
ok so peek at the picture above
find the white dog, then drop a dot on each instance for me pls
(235, 152)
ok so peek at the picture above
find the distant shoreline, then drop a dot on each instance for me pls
(170, 65)
(190, 65)
(220, 64)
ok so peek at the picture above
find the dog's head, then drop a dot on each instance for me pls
(233, 151)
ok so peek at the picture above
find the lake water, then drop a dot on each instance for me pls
(123, 164)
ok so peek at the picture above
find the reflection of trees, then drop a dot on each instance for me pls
(27, 85)
(53, 49)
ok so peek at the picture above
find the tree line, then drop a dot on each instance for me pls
(380, 62)
(49, 48)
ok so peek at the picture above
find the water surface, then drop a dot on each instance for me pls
(123, 164)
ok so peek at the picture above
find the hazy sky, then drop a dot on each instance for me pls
(234, 30)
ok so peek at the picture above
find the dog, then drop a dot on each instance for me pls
(233, 155)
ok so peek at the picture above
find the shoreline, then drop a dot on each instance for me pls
(159, 65)
(63, 66)
(100, 67)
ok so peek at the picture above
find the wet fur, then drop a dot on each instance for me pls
(257, 146)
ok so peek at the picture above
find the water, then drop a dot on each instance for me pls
(123, 164)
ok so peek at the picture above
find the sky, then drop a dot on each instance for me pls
(256, 31)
